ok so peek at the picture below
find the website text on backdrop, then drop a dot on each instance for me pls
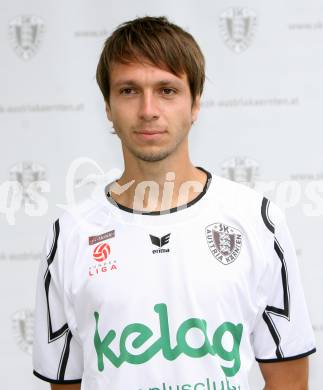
(168, 277)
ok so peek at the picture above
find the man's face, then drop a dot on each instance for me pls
(151, 110)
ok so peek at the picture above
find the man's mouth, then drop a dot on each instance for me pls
(150, 134)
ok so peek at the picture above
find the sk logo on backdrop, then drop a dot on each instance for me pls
(28, 174)
(26, 33)
(23, 329)
(242, 170)
(238, 26)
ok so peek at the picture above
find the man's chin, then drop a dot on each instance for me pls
(151, 157)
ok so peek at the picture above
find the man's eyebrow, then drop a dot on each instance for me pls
(134, 83)
(168, 82)
(124, 82)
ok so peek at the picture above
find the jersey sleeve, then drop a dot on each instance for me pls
(283, 330)
(57, 355)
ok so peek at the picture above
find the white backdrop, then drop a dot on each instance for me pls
(260, 123)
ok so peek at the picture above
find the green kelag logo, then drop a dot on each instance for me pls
(214, 347)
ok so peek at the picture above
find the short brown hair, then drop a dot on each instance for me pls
(161, 43)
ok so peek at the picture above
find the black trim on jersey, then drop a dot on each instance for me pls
(286, 359)
(58, 382)
(173, 209)
(53, 249)
(273, 310)
(52, 335)
(284, 312)
(64, 356)
(274, 333)
(64, 329)
(265, 216)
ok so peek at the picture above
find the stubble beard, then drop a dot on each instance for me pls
(155, 156)
(152, 156)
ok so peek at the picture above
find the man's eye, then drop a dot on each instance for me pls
(168, 91)
(127, 91)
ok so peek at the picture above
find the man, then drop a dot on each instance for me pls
(172, 277)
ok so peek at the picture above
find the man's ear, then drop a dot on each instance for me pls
(108, 110)
(196, 107)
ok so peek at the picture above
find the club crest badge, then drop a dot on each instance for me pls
(26, 33)
(238, 26)
(224, 242)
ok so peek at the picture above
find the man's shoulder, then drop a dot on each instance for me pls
(86, 215)
(241, 200)
(232, 191)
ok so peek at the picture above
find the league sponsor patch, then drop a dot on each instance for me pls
(103, 261)
(101, 237)
(101, 252)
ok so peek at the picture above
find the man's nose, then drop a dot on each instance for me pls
(149, 109)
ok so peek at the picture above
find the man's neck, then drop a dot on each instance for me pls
(158, 190)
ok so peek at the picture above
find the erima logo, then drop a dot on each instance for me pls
(160, 242)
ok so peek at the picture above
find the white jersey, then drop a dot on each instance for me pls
(180, 300)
